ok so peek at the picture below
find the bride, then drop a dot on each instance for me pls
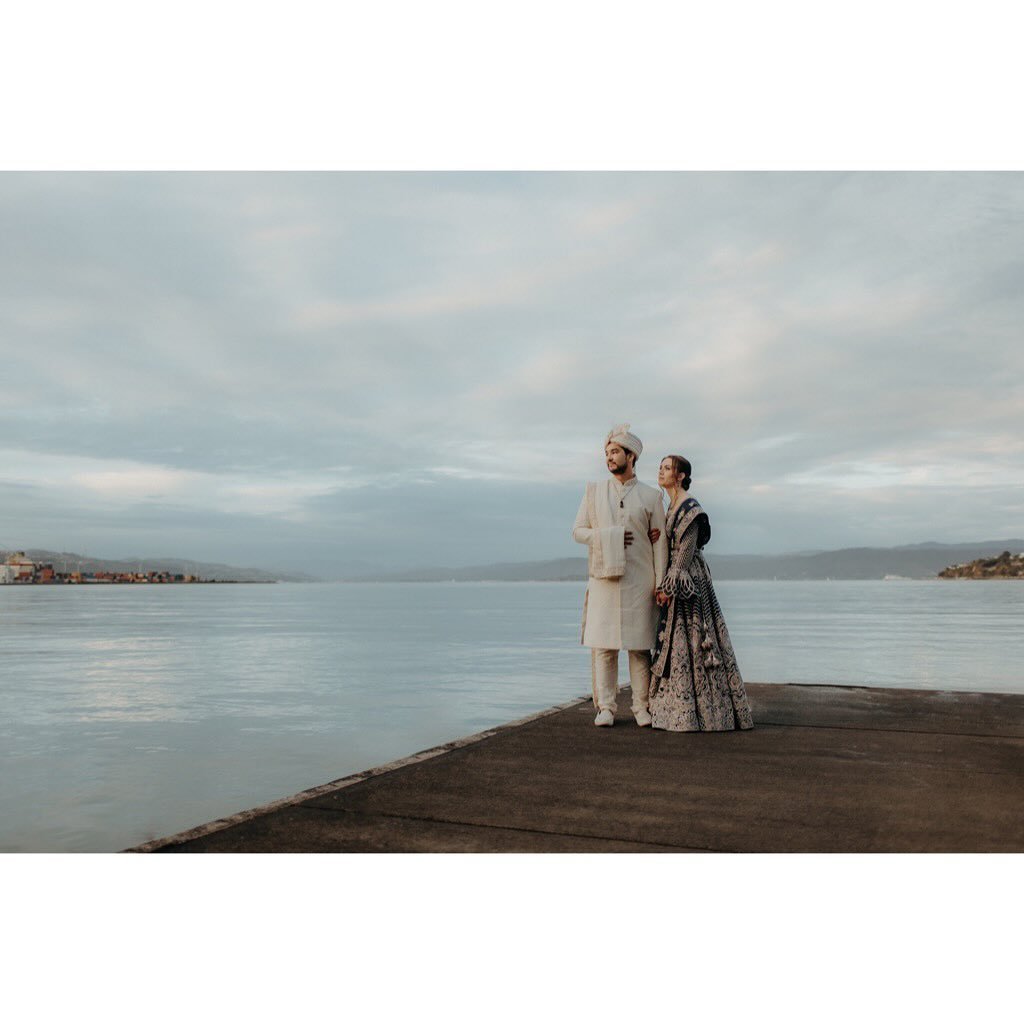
(695, 683)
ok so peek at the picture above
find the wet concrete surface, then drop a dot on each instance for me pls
(826, 769)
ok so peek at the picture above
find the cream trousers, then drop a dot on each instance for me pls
(606, 678)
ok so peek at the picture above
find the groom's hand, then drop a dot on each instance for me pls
(629, 538)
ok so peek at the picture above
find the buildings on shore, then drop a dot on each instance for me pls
(1005, 566)
(18, 569)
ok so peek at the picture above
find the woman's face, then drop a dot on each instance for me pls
(667, 475)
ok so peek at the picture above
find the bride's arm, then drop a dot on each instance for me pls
(677, 580)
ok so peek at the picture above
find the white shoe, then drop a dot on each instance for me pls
(643, 718)
(604, 718)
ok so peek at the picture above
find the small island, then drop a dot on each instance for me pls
(1002, 567)
(22, 570)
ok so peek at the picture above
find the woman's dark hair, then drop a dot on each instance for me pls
(683, 467)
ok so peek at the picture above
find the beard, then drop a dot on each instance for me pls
(619, 470)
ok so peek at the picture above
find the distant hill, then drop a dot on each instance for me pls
(916, 561)
(1006, 567)
(205, 570)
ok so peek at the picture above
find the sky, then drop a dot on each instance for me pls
(343, 372)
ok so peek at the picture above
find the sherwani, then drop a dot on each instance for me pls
(620, 614)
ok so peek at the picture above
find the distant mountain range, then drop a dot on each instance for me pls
(205, 570)
(914, 561)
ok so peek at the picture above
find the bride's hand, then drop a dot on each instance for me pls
(654, 534)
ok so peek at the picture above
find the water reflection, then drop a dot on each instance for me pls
(136, 713)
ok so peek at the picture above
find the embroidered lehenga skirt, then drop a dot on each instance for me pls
(695, 682)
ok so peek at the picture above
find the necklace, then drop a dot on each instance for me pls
(623, 488)
(674, 506)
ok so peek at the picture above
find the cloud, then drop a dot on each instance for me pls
(314, 350)
(136, 482)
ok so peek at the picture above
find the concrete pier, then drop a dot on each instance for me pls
(827, 769)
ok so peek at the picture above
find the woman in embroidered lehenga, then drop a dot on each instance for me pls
(695, 683)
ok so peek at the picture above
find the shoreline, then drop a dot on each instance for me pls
(130, 583)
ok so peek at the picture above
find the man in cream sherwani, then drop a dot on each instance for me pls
(625, 569)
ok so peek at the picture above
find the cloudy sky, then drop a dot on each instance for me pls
(342, 371)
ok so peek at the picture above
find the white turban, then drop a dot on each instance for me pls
(622, 437)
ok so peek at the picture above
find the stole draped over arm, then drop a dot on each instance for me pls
(605, 540)
(583, 528)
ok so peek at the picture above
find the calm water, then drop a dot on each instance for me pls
(128, 713)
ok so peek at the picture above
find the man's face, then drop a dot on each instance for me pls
(617, 458)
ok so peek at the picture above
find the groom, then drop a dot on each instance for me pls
(625, 569)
